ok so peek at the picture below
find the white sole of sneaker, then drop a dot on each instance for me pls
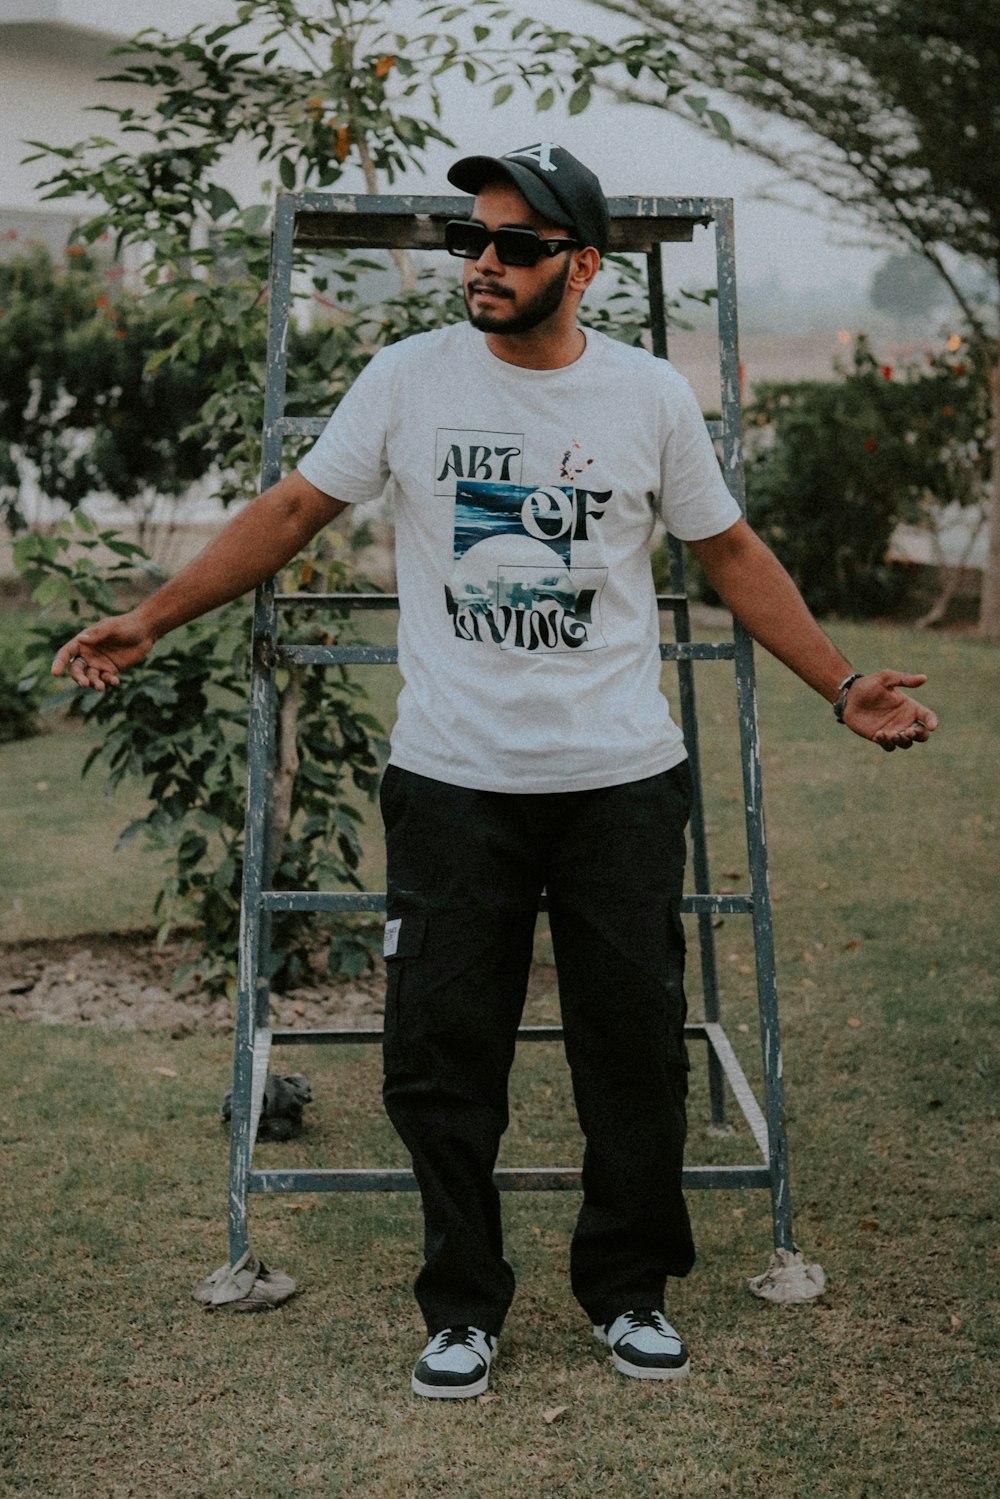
(637, 1371)
(450, 1392)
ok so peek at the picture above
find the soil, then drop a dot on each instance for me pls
(124, 981)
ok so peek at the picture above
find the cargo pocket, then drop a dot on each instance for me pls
(404, 1042)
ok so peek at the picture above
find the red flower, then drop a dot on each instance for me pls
(887, 371)
(870, 444)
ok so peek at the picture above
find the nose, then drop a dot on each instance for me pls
(487, 263)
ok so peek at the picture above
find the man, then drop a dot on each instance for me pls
(533, 749)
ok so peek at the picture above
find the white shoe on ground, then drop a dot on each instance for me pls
(645, 1346)
(455, 1364)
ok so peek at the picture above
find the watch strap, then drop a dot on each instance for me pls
(840, 705)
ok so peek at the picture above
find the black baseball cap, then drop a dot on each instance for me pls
(555, 184)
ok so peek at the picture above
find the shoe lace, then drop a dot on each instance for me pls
(651, 1319)
(453, 1337)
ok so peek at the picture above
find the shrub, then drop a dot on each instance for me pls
(834, 466)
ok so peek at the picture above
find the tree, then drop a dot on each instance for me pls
(80, 409)
(896, 102)
(317, 89)
(906, 286)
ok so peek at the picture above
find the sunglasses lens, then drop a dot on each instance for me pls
(517, 247)
(465, 239)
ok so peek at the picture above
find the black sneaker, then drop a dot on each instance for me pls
(455, 1364)
(645, 1346)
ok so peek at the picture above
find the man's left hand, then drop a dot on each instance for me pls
(879, 710)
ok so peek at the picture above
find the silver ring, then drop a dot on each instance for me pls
(77, 658)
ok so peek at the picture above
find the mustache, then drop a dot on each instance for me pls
(493, 287)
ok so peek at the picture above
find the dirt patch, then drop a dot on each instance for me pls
(123, 981)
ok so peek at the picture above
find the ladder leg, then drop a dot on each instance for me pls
(260, 757)
(767, 996)
(689, 726)
(699, 842)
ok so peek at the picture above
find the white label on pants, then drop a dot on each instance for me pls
(390, 940)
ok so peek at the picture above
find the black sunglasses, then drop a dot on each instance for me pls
(468, 240)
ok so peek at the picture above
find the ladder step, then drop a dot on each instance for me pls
(289, 1036)
(507, 1179)
(391, 600)
(308, 426)
(339, 600)
(727, 904)
(386, 655)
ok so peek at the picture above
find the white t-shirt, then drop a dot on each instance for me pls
(525, 502)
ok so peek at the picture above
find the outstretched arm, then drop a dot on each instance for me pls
(759, 591)
(252, 547)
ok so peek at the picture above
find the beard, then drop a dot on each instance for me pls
(536, 310)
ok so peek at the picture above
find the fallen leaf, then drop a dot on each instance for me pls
(807, 957)
(868, 1224)
(823, 885)
(854, 1021)
(853, 945)
(300, 1009)
(486, 1397)
(955, 1321)
(553, 1413)
(165, 1071)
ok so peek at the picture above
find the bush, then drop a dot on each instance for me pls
(20, 697)
(178, 722)
(834, 466)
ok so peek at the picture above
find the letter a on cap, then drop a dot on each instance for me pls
(542, 154)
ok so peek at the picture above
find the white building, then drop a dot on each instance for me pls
(52, 55)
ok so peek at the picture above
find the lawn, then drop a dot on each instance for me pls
(885, 881)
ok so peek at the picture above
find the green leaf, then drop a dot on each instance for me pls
(286, 171)
(579, 99)
(220, 201)
(502, 94)
(722, 125)
(50, 590)
(545, 99)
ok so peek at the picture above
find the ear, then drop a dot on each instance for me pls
(586, 263)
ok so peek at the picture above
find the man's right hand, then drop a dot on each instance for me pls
(98, 655)
(254, 545)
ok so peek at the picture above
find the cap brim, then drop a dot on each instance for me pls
(472, 172)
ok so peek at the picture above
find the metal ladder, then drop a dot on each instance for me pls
(319, 221)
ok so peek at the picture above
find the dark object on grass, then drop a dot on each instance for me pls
(281, 1110)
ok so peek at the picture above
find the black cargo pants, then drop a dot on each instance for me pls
(465, 872)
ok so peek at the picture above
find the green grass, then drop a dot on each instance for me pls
(885, 881)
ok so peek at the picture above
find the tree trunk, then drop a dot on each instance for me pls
(989, 611)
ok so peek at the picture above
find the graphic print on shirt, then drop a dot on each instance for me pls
(513, 583)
